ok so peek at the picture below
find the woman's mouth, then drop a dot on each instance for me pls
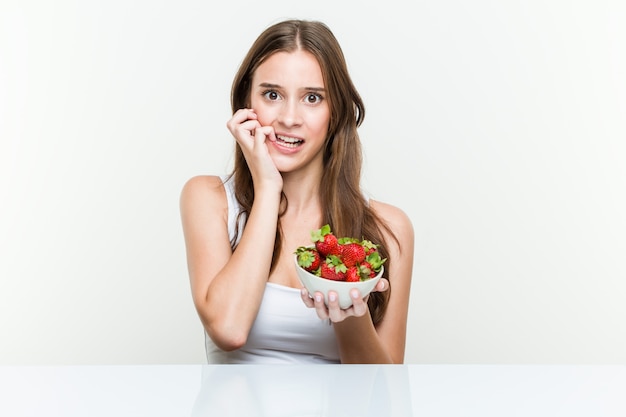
(288, 142)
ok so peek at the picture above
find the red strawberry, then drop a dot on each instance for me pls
(308, 258)
(352, 254)
(353, 274)
(339, 259)
(325, 241)
(333, 269)
(328, 246)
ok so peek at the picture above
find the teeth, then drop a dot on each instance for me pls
(289, 141)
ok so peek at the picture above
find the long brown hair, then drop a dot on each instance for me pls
(344, 206)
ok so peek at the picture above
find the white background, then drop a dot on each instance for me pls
(498, 126)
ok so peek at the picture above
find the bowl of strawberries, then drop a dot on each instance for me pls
(339, 265)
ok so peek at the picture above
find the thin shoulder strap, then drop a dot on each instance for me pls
(233, 209)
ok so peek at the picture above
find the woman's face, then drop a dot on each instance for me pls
(288, 94)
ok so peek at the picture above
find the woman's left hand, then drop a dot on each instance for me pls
(333, 311)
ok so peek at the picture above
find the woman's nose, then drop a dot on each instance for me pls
(290, 114)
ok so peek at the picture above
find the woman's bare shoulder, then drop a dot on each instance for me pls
(394, 216)
(397, 220)
(202, 184)
(203, 190)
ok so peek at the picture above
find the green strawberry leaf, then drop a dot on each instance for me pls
(318, 235)
(375, 260)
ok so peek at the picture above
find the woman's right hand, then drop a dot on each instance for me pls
(332, 311)
(251, 137)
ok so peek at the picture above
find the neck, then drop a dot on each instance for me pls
(302, 192)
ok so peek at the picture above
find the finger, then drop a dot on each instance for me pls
(320, 306)
(334, 311)
(264, 132)
(359, 305)
(244, 114)
(382, 285)
(249, 127)
(307, 298)
(239, 117)
(244, 133)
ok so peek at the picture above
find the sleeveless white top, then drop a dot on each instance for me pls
(285, 330)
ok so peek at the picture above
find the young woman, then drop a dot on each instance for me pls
(297, 167)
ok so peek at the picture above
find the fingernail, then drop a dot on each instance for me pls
(332, 297)
(354, 294)
(303, 291)
(318, 298)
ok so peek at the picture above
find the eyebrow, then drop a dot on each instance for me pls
(277, 86)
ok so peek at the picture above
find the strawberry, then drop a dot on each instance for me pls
(375, 261)
(366, 270)
(353, 274)
(333, 269)
(369, 247)
(339, 259)
(352, 254)
(308, 258)
(325, 241)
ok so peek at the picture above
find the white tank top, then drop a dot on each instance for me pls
(285, 330)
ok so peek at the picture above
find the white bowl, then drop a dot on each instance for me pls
(313, 283)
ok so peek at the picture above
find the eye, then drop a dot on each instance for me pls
(271, 95)
(313, 98)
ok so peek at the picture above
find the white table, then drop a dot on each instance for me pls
(318, 390)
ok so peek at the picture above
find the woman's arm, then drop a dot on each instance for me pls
(227, 287)
(359, 340)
